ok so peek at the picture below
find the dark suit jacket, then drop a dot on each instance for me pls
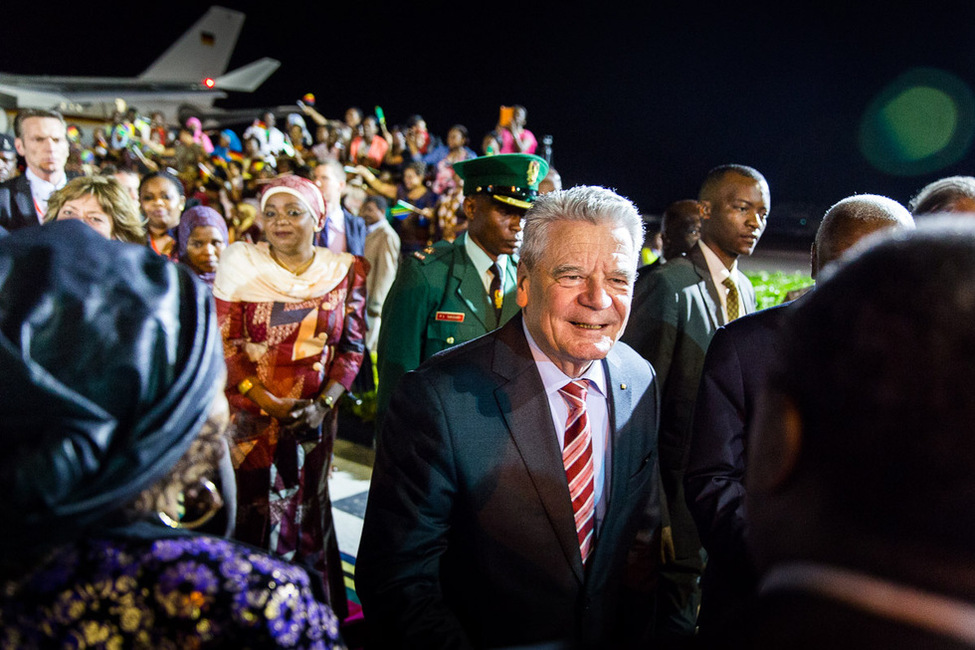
(17, 204)
(469, 538)
(735, 368)
(355, 234)
(676, 310)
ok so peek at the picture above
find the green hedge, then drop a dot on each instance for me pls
(774, 288)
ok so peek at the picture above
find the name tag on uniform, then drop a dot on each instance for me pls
(453, 316)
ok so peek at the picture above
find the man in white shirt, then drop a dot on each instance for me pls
(344, 232)
(676, 310)
(738, 360)
(42, 140)
(270, 138)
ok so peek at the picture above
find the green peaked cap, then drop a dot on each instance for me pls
(508, 177)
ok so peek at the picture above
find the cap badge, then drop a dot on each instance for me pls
(533, 168)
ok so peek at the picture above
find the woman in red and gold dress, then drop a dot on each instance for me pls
(291, 315)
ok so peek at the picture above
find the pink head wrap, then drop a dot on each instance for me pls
(302, 189)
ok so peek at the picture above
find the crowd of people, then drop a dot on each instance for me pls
(577, 445)
(224, 168)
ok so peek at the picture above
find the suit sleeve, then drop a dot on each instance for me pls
(714, 480)
(384, 271)
(6, 207)
(407, 523)
(654, 324)
(748, 291)
(355, 233)
(404, 320)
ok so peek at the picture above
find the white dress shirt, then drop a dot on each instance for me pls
(336, 231)
(482, 262)
(596, 407)
(718, 274)
(41, 190)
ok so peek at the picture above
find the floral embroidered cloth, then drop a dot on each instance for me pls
(180, 592)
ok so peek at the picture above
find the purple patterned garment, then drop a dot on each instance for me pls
(181, 592)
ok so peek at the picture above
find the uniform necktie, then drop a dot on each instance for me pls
(734, 307)
(577, 458)
(496, 294)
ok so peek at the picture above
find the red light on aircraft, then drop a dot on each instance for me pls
(209, 82)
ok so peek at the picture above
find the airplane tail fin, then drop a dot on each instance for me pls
(249, 77)
(202, 51)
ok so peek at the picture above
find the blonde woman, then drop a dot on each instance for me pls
(102, 203)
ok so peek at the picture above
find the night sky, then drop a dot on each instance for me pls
(642, 100)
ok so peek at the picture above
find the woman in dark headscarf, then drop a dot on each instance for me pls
(201, 237)
(292, 318)
(111, 375)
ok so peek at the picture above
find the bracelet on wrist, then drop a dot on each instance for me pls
(327, 401)
(245, 387)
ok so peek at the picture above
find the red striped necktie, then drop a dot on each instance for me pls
(577, 458)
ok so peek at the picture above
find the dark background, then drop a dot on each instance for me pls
(644, 99)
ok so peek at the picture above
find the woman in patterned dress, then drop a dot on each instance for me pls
(292, 318)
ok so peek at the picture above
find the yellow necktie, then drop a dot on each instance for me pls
(496, 292)
(734, 308)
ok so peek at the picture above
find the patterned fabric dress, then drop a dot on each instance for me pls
(311, 333)
(182, 592)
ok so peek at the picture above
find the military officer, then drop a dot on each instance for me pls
(453, 292)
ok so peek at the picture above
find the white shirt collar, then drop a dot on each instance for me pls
(717, 268)
(553, 378)
(41, 184)
(482, 261)
(597, 404)
(41, 190)
(719, 274)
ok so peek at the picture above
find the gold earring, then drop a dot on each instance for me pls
(214, 505)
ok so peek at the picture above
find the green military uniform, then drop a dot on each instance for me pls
(438, 299)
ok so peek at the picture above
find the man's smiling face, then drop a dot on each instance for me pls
(577, 297)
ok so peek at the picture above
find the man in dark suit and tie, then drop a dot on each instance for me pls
(676, 311)
(344, 232)
(41, 138)
(861, 471)
(510, 469)
(732, 381)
